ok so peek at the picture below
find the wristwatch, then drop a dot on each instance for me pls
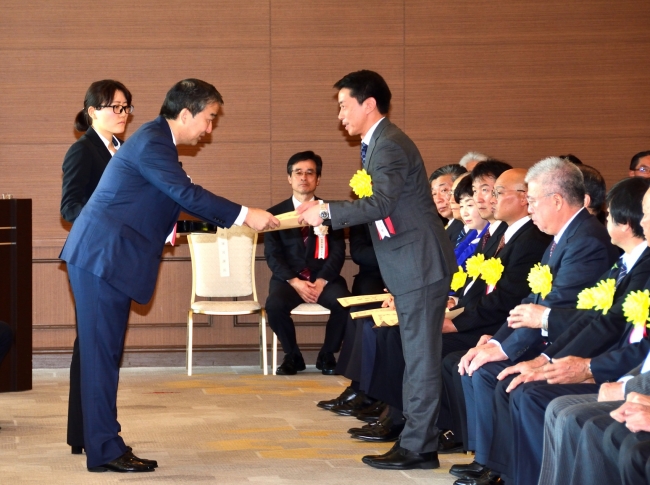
(324, 211)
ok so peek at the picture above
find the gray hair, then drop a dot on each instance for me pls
(559, 176)
(469, 156)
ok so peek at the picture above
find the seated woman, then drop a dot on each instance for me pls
(477, 226)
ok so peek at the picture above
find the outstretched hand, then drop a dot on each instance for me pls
(309, 212)
(260, 220)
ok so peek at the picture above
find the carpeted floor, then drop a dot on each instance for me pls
(227, 425)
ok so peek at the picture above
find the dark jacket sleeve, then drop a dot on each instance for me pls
(76, 177)
(361, 249)
(611, 366)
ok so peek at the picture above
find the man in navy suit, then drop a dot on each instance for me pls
(579, 254)
(306, 268)
(114, 248)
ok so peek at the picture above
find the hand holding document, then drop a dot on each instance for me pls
(451, 314)
(288, 220)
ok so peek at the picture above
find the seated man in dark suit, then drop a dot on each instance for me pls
(441, 181)
(579, 254)
(519, 409)
(306, 268)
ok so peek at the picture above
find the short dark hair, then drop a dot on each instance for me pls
(453, 169)
(367, 84)
(301, 157)
(100, 93)
(490, 168)
(625, 200)
(635, 159)
(192, 94)
(463, 189)
(596, 188)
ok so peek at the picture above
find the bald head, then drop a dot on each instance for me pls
(511, 204)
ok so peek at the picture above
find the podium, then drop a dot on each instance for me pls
(16, 291)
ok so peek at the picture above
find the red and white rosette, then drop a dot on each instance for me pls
(321, 251)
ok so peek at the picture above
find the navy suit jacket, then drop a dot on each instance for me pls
(120, 233)
(583, 253)
(287, 255)
(591, 333)
(453, 230)
(485, 313)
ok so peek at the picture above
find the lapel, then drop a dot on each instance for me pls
(97, 141)
(373, 140)
(569, 233)
(493, 242)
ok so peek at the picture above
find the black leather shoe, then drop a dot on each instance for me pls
(364, 428)
(372, 412)
(399, 458)
(290, 366)
(447, 443)
(469, 470)
(385, 431)
(76, 450)
(144, 461)
(351, 408)
(487, 478)
(124, 464)
(326, 363)
(345, 396)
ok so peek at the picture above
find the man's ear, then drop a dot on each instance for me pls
(587, 200)
(370, 104)
(183, 115)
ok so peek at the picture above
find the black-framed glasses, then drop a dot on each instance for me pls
(118, 109)
(498, 193)
(307, 173)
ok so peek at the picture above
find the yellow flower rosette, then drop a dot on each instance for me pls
(361, 183)
(491, 271)
(459, 279)
(474, 265)
(599, 297)
(540, 279)
(636, 306)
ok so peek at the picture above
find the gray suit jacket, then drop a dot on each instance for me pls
(639, 383)
(420, 253)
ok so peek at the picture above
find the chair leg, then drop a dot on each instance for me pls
(190, 327)
(275, 352)
(263, 342)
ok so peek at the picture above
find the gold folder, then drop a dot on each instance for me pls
(362, 299)
(451, 314)
(385, 319)
(371, 313)
(288, 220)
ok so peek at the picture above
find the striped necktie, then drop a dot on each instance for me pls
(364, 150)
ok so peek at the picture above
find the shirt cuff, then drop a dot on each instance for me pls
(624, 380)
(241, 217)
(545, 322)
(498, 344)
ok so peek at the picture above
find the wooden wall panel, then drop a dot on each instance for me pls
(517, 80)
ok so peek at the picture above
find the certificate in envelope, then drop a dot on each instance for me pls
(288, 220)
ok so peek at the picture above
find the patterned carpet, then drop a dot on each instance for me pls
(227, 425)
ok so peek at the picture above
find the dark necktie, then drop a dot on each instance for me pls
(484, 239)
(621, 272)
(552, 249)
(305, 274)
(460, 236)
(364, 149)
(502, 242)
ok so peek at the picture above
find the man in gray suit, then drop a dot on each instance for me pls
(414, 254)
(574, 428)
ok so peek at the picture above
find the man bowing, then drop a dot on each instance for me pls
(415, 256)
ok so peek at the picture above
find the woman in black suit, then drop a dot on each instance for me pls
(107, 106)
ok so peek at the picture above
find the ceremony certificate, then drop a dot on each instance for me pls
(362, 299)
(371, 313)
(288, 220)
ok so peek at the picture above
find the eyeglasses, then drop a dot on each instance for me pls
(643, 169)
(306, 173)
(533, 202)
(118, 109)
(496, 193)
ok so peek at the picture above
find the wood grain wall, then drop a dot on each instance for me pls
(518, 80)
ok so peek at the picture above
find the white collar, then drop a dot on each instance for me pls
(557, 237)
(512, 229)
(296, 202)
(366, 139)
(115, 141)
(633, 256)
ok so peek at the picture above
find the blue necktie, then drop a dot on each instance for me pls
(622, 271)
(364, 149)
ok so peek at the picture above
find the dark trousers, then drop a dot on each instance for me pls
(388, 372)
(6, 339)
(527, 408)
(452, 405)
(421, 313)
(283, 298)
(102, 316)
(75, 413)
